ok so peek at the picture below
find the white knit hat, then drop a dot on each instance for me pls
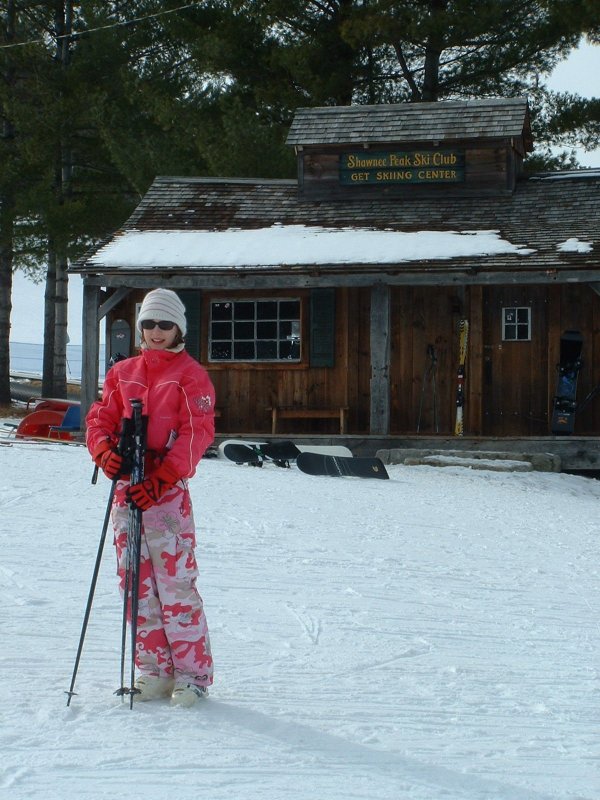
(163, 304)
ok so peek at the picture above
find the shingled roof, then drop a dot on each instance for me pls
(411, 122)
(542, 215)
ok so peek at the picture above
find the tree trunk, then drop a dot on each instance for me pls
(54, 381)
(7, 215)
(433, 52)
(6, 262)
(49, 327)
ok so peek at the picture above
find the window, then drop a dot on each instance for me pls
(255, 330)
(516, 324)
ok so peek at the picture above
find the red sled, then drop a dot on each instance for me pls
(51, 419)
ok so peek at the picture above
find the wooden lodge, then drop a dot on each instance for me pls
(331, 304)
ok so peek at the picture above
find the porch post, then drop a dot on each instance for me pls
(380, 359)
(91, 348)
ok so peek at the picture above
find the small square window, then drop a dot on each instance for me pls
(516, 324)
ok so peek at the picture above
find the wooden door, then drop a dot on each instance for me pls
(515, 361)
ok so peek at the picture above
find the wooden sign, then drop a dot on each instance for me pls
(411, 166)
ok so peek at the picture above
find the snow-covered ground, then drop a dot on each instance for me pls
(431, 637)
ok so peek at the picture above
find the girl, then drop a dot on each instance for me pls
(172, 651)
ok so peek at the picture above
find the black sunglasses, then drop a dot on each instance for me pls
(150, 324)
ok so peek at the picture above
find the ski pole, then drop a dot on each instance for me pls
(90, 600)
(132, 560)
(429, 374)
(433, 356)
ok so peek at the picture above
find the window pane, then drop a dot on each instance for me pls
(289, 349)
(285, 330)
(266, 330)
(523, 315)
(243, 330)
(221, 311)
(220, 351)
(522, 332)
(266, 310)
(243, 351)
(510, 332)
(266, 350)
(221, 330)
(243, 310)
(289, 309)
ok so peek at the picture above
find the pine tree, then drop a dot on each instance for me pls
(264, 58)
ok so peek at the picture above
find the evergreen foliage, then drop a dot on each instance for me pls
(98, 97)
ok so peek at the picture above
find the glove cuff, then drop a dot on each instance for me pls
(100, 449)
(166, 474)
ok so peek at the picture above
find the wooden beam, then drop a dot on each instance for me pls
(211, 281)
(91, 348)
(112, 301)
(380, 359)
(595, 287)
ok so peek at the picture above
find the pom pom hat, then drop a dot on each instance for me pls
(163, 304)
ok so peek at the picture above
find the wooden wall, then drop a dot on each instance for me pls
(245, 391)
(509, 385)
(423, 317)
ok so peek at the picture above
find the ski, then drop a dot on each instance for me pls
(341, 466)
(463, 333)
(565, 399)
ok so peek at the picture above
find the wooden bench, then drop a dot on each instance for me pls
(298, 412)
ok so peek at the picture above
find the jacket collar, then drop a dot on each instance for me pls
(157, 358)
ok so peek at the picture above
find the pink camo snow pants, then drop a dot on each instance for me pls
(172, 637)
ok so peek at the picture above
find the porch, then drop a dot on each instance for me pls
(572, 453)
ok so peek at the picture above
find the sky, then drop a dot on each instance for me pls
(579, 73)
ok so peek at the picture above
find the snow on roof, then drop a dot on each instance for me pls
(575, 245)
(295, 245)
(567, 174)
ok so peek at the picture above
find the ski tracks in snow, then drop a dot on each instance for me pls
(428, 637)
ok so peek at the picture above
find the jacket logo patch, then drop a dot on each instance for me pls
(204, 402)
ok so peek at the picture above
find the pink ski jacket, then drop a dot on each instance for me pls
(178, 399)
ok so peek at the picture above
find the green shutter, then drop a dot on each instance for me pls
(192, 300)
(322, 328)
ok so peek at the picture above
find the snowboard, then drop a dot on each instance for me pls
(286, 449)
(337, 466)
(120, 342)
(565, 399)
(280, 453)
